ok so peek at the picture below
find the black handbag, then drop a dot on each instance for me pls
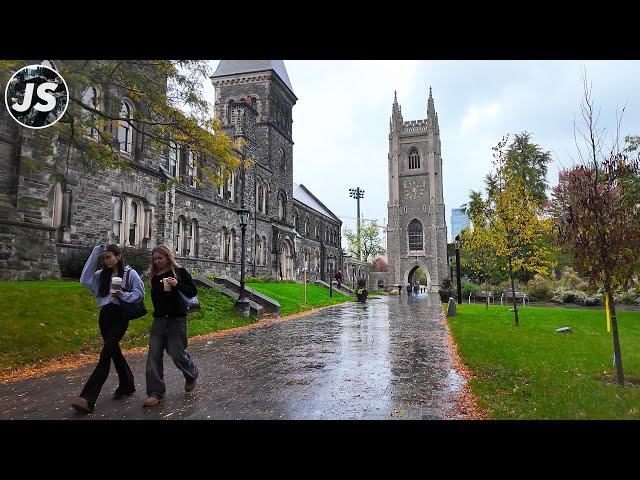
(132, 310)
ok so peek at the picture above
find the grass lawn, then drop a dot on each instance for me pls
(42, 320)
(532, 372)
(291, 296)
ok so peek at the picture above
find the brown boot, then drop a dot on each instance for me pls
(82, 405)
(151, 402)
(190, 385)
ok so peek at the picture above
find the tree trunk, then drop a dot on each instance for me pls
(513, 294)
(486, 295)
(616, 341)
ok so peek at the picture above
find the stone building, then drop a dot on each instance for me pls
(47, 227)
(416, 230)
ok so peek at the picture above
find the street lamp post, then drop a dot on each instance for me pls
(242, 304)
(458, 281)
(357, 193)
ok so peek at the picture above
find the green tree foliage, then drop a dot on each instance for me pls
(479, 259)
(370, 242)
(168, 102)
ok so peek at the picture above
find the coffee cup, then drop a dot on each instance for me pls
(116, 284)
(167, 285)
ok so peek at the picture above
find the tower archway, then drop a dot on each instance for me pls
(412, 268)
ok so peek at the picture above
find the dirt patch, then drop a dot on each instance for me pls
(628, 382)
(465, 403)
(76, 360)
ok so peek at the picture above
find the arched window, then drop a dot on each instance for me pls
(414, 159)
(283, 160)
(125, 132)
(296, 221)
(306, 226)
(282, 207)
(231, 111)
(260, 196)
(415, 235)
(230, 188)
(174, 159)
(226, 244)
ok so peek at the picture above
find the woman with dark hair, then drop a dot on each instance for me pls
(169, 328)
(105, 286)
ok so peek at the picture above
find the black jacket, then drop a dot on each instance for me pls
(168, 303)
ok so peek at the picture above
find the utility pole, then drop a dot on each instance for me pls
(357, 193)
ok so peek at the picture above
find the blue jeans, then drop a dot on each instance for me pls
(170, 334)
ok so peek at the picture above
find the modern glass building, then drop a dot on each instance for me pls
(459, 221)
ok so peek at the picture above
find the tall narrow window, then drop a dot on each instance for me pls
(56, 214)
(133, 223)
(90, 99)
(125, 134)
(232, 255)
(415, 235)
(260, 197)
(226, 245)
(414, 159)
(117, 221)
(174, 160)
(282, 207)
(264, 250)
(192, 169)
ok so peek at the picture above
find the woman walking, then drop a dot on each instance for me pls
(169, 328)
(112, 321)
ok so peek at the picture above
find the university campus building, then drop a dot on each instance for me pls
(47, 227)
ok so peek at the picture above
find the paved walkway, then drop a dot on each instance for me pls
(386, 359)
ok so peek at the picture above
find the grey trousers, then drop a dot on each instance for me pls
(170, 334)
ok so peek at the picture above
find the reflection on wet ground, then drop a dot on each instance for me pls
(386, 359)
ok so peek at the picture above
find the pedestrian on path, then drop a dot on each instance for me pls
(399, 290)
(408, 289)
(169, 328)
(339, 278)
(111, 285)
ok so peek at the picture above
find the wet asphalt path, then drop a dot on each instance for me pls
(386, 359)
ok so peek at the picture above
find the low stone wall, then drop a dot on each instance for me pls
(375, 278)
(27, 251)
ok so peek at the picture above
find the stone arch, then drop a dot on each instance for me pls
(412, 267)
(287, 259)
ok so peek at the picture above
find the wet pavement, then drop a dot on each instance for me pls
(386, 359)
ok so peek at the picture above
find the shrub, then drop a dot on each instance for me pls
(570, 280)
(468, 288)
(539, 288)
(446, 290)
(569, 296)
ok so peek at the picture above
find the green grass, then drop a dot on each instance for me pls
(43, 320)
(291, 296)
(532, 372)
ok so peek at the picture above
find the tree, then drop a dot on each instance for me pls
(168, 106)
(371, 243)
(514, 231)
(596, 209)
(380, 265)
(479, 256)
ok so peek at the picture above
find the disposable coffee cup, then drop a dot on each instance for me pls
(116, 284)
(167, 285)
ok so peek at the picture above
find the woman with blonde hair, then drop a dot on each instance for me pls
(169, 327)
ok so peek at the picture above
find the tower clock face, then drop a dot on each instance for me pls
(414, 189)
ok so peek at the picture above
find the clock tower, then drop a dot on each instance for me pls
(417, 230)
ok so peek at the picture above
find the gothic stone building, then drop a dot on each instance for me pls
(48, 227)
(417, 230)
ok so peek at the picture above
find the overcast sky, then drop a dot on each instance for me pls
(341, 120)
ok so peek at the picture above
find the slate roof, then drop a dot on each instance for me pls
(304, 196)
(232, 67)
